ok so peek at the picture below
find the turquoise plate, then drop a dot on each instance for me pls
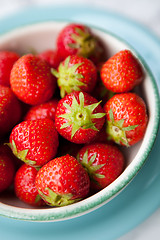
(142, 196)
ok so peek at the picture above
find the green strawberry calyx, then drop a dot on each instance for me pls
(57, 200)
(116, 131)
(38, 198)
(68, 79)
(21, 154)
(88, 164)
(80, 115)
(84, 42)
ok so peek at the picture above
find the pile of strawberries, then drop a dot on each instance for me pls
(64, 113)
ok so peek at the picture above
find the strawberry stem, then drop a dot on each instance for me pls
(116, 131)
(57, 200)
(84, 42)
(68, 78)
(21, 154)
(88, 164)
(80, 116)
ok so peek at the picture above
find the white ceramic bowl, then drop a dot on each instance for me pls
(42, 36)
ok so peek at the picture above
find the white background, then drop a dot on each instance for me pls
(146, 12)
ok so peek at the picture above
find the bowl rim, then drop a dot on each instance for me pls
(106, 194)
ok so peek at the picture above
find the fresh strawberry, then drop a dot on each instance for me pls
(122, 72)
(75, 73)
(10, 110)
(31, 80)
(24, 185)
(7, 168)
(103, 162)
(44, 110)
(51, 57)
(126, 118)
(78, 39)
(62, 181)
(7, 59)
(79, 117)
(35, 142)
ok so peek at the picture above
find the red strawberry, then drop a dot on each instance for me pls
(7, 168)
(126, 118)
(34, 141)
(77, 39)
(103, 162)
(7, 59)
(10, 110)
(79, 117)
(24, 185)
(76, 73)
(122, 72)
(62, 181)
(51, 57)
(31, 80)
(44, 110)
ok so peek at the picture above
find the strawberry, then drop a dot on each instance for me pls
(44, 110)
(10, 110)
(24, 185)
(62, 181)
(51, 57)
(35, 142)
(75, 73)
(103, 162)
(7, 59)
(79, 117)
(31, 80)
(7, 168)
(122, 72)
(126, 118)
(78, 39)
